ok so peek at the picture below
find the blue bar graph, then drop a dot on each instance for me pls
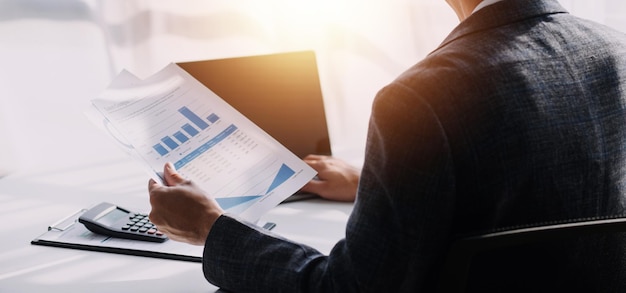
(213, 118)
(169, 142)
(190, 130)
(181, 137)
(160, 149)
(195, 119)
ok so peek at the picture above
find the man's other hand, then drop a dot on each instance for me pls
(336, 179)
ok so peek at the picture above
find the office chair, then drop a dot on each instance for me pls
(610, 254)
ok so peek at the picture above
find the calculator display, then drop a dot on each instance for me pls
(112, 217)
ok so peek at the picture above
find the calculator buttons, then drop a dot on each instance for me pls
(139, 223)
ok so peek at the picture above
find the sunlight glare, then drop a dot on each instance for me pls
(309, 14)
(307, 22)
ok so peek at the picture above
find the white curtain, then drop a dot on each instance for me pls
(56, 55)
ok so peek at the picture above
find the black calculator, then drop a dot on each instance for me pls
(111, 220)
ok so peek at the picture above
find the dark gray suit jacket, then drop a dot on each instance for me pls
(518, 118)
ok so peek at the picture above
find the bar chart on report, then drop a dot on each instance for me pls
(186, 131)
(211, 152)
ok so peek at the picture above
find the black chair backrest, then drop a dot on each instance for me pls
(464, 253)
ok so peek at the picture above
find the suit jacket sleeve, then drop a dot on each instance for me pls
(398, 228)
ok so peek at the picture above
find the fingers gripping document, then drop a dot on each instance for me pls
(171, 117)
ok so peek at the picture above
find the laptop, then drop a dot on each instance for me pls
(280, 93)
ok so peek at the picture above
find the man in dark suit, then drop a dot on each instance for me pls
(517, 118)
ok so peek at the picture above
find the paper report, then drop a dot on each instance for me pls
(171, 117)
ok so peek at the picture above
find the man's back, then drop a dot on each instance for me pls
(535, 112)
(533, 104)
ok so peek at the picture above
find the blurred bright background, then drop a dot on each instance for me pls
(57, 55)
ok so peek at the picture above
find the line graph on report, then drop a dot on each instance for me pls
(238, 204)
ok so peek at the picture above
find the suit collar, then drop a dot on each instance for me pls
(485, 3)
(502, 13)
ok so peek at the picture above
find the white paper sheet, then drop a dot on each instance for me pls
(171, 117)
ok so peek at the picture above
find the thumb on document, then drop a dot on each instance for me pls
(171, 176)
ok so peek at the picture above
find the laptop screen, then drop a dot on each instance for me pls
(279, 92)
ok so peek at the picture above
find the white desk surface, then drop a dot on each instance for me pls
(29, 202)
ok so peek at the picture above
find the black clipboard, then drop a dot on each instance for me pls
(69, 233)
